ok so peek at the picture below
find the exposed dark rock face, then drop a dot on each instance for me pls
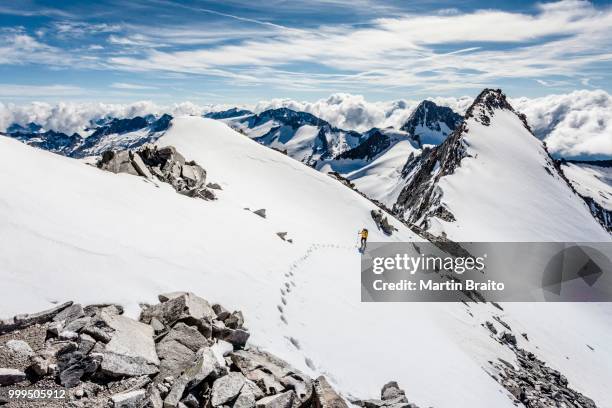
(50, 140)
(535, 385)
(328, 142)
(382, 222)
(30, 128)
(77, 146)
(176, 355)
(120, 126)
(228, 114)
(287, 117)
(601, 214)
(376, 143)
(161, 124)
(431, 116)
(531, 383)
(420, 199)
(164, 164)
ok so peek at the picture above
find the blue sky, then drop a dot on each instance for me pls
(243, 51)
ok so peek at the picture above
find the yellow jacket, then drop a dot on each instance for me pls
(363, 233)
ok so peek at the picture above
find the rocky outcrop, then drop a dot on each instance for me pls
(534, 384)
(382, 222)
(164, 164)
(391, 396)
(182, 352)
(25, 320)
(531, 382)
(325, 396)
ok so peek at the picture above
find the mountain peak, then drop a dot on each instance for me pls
(487, 102)
(430, 123)
(492, 97)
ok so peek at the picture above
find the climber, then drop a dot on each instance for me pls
(364, 238)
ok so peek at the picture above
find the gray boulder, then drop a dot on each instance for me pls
(40, 366)
(154, 398)
(190, 401)
(176, 392)
(86, 343)
(131, 349)
(237, 337)
(248, 395)
(10, 376)
(170, 154)
(284, 400)
(19, 347)
(69, 314)
(261, 212)
(188, 336)
(140, 166)
(235, 320)
(221, 312)
(194, 175)
(179, 306)
(174, 358)
(77, 324)
(325, 396)
(391, 391)
(205, 366)
(253, 358)
(266, 382)
(226, 388)
(25, 320)
(117, 162)
(73, 366)
(130, 399)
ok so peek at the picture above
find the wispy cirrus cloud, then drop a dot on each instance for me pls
(17, 47)
(27, 91)
(560, 39)
(123, 85)
(238, 46)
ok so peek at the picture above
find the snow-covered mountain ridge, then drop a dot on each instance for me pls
(103, 237)
(107, 134)
(301, 135)
(479, 182)
(593, 182)
(430, 124)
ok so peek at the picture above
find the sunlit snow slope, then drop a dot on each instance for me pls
(504, 186)
(72, 231)
(378, 175)
(591, 181)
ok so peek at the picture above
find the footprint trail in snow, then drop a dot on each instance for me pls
(289, 283)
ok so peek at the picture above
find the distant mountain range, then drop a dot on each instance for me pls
(105, 134)
(400, 168)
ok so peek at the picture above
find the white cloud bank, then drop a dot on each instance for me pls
(348, 111)
(574, 125)
(70, 117)
(564, 39)
(578, 124)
